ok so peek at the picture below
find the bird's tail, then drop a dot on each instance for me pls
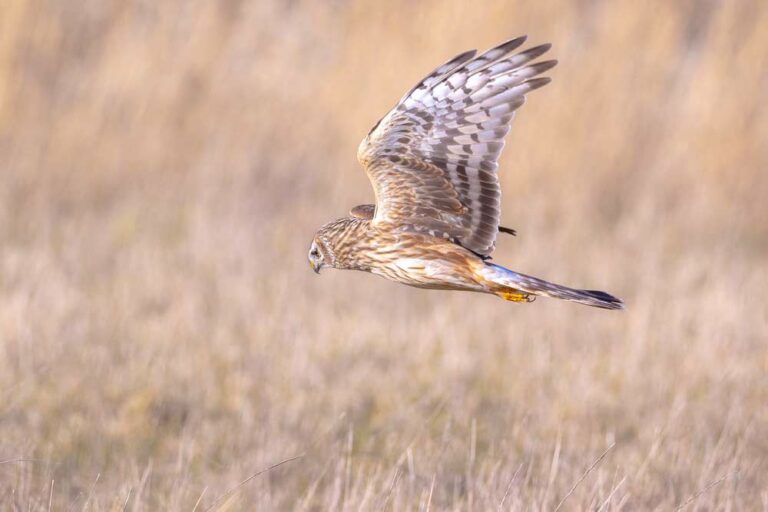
(520, 288)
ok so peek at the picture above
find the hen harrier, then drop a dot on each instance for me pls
(432, 161)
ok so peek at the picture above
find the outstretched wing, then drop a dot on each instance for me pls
(433, 158)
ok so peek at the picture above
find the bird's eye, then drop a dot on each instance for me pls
(315, 253)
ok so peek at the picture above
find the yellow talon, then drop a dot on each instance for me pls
(516, 296)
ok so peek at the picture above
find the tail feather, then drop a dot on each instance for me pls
(507, 280)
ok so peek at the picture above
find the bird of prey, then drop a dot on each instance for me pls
(432, 161)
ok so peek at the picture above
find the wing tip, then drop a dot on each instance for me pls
(463, 56)
(536, 51)
(543, 66)
(535, 83)
(511, 44)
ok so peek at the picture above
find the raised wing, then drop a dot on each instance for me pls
(432, 159)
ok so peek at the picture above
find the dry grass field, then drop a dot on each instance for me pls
(164, 165)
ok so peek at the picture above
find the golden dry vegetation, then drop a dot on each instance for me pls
(163, 166)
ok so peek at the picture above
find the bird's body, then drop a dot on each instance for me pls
(427, 261)
(415, 259)
(432, 161)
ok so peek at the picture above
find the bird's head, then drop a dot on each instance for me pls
(333, 243)
(320, 253)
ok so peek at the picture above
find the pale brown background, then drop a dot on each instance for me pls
(164, 165)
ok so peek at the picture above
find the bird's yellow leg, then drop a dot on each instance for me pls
(515, 295)
(504, 291)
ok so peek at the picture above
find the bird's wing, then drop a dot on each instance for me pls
(432, 159)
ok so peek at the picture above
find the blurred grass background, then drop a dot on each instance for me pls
(164, 165)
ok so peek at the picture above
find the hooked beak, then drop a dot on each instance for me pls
(315, 266)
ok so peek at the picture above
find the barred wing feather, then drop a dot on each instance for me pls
(432, 160)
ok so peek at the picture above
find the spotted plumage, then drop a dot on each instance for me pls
(432, 161)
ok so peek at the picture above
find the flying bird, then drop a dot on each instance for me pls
(432, 161)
